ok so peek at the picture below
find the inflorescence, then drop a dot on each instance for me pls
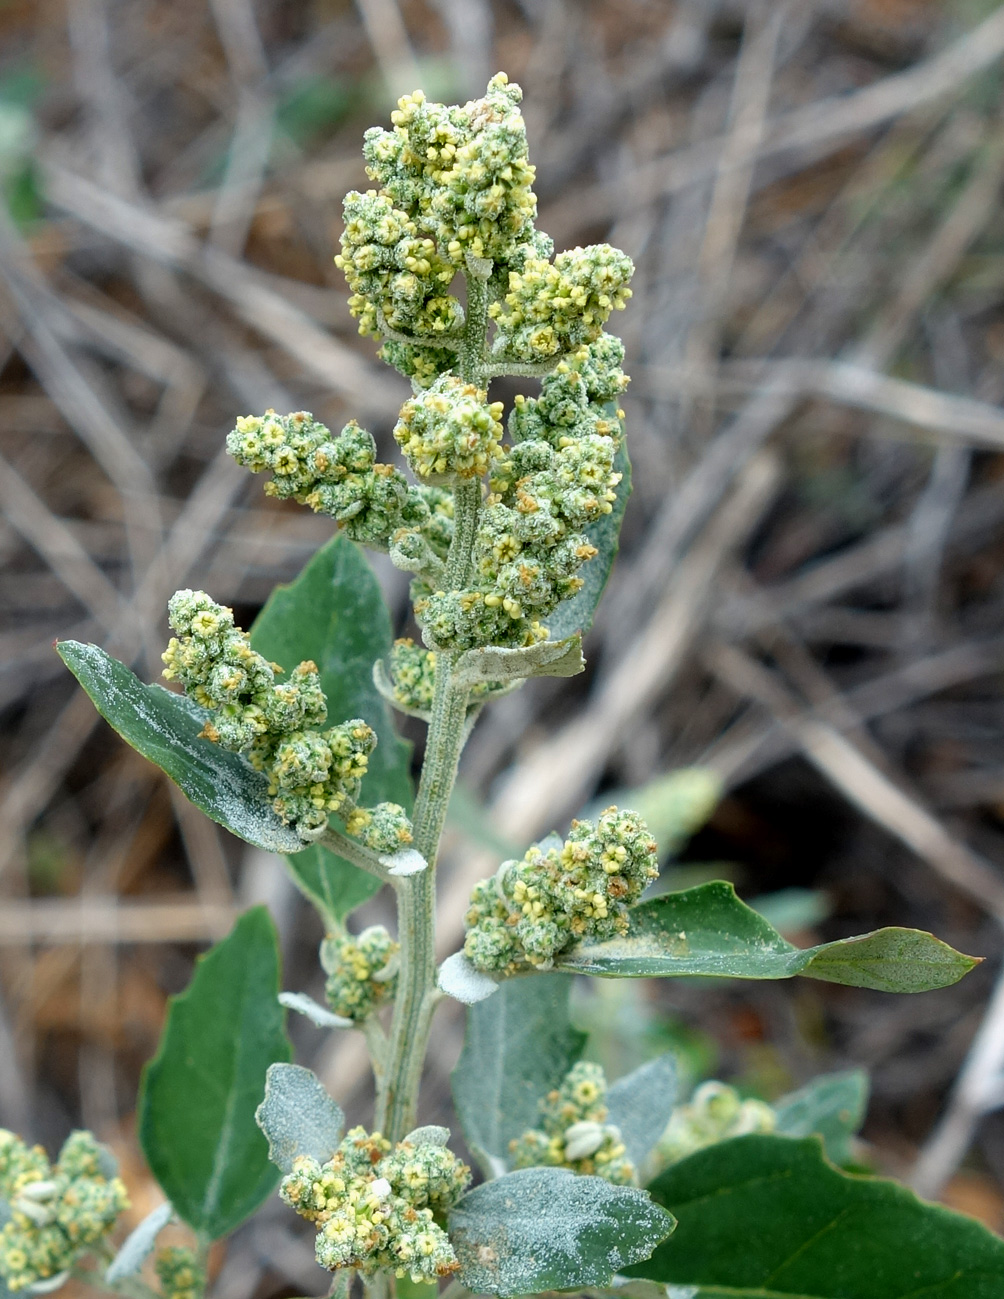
(532, 910)
(574, 1133)
(179, 1272)
(56, 1213)
(311, 773)
(362, 972)
(375, 1205)
(714, 1113)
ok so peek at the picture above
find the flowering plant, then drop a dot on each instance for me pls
(283, 735)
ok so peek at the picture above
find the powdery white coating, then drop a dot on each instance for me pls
(640, 1105)
(548, 1229)
(298, 1116)
(138, 1245)
(409, 861)
(460, 980)
(310, 1009)
(432, 1135)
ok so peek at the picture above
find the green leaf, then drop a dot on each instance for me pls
(518, 1046)
(548, 1229)
(767, 1217)
(334, 613)
(200, 1091)
(298, 1116)
(707, 931)
(832, 1107)
(165, 727)
(549, 658)
(576, 614)
(641, 1102)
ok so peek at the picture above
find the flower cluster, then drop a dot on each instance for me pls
(532, 910)
(450, 430)
(714, 1113)
(413, 679)
(362, 972)
(311, 773)
(56, 1213)
(553, 307)
(179, 1273)
(556, 480)
(339, 476)
(573, 1132)
(375, 1206)
(384, 828)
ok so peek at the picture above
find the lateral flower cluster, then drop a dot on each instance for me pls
(375, 1205)
(556, 479)
(362, 972)
(56, 1213)
(413, 678)
(574, 1133)
(714, 1113)
(311, 773)
(179, 1273)
(530, 911)
(450, 430)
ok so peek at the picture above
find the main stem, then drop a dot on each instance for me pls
(397, 1096)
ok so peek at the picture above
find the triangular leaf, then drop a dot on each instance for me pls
(708, 931)
(833, 1107)
(165, 727)
(298, 1116)
(549, 1229)
(768, 1218)
(518, 1046)
(201, 1089)
(640, 1104)
(334, 613)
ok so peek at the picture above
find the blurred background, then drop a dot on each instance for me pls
(809, 598)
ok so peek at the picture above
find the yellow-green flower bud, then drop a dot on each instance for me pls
(179, 1273)
(361, 972)
(450, 430)
(714, 1113)
(574, 1133)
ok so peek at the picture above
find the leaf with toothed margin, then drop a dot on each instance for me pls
(334, 614)
(298, 1116)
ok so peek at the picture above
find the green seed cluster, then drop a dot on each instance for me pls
(553, 307)
(311, 773)
(339, 476)
(375, 1206)
(450, 430)
(714, 1113)
(573, 1132)
(532, 910)
(56, 1213)
(556, 480)
(179, 1273)
(361, 972)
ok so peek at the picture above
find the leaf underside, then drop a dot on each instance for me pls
(298, 1116)
(766, 1217)
(200, 1091)
(334, 614)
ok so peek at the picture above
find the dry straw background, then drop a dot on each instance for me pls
(809, 596)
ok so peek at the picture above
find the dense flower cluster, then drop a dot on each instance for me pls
(556, 480)
(375, 1206)
(532, 910)
(384, 828)
(56, 1213)
(311, 773)
(179, 1273)
(413, 679)
(714, 1113)
(361, 972)
(450, 430)
(574, 1133)
(553, 307)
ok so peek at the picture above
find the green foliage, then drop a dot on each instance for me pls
(832, 1106)
(165, 728)
(707, 931)
(519, 1045)
(334, 614)
(202, 1088)
(640, 1104)
(763, 1216)
(548, 1229)
(298, 1116)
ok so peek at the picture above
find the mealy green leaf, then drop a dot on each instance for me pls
(518, 1046)
(641, 1102)
(298, 1116)
(576, 614)
(549, 658)
(833, 1107)
(165, 727)
(768, 1217)
(334, 613)
(138, 1245)
(200, 1091)
(708, 931)
(550, 1229)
